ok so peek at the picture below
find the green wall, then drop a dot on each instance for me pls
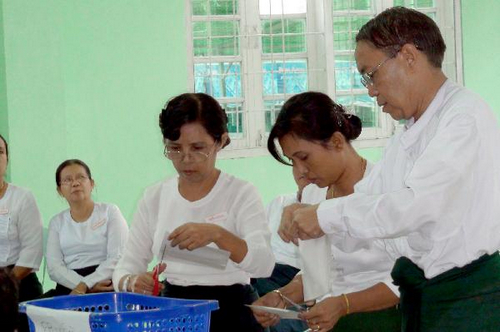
(4, 126)
(481, 47)
(87, 79)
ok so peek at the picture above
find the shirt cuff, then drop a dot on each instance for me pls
(330, 217)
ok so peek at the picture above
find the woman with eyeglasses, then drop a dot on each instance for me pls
(315, 136)
(21, 244)
(201, 206)
(85, 241)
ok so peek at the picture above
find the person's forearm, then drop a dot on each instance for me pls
(294, 289)
(228, 241)
(21, 272)
(374, 298)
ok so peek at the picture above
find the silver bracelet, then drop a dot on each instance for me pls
(125, 283)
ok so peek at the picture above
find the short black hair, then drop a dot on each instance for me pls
(70, 162)
(6, 146)
(312, 116)
(394, 27)
(193, 107)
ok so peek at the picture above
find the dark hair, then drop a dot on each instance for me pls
(193, 107)
(70, 162)
(9, 299)
(397, 26)
(6, 146)
(312, 116)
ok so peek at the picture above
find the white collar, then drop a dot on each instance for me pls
(413, 129)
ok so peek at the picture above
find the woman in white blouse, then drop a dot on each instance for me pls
(85, 241)
(202, 206)
(21, 245)
(315, 134)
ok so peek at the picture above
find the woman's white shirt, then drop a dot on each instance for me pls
(363, 265)
(285, 253)
(21, 229)
(232, 204)
(74, 245)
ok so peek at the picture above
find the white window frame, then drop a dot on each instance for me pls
(320, 62)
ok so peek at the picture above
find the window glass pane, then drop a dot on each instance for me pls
(278, 7)
(234, 113)
(351, 4)
(200, 29)
(345, 29)
(214, 7)
(347, 76)
(225, 46)
(224, 38)
(201, 47)
(200, 7)
(293, 41)
(272, 108)
(221, 79)
(363, 106)
(415, 3)
(288, 77)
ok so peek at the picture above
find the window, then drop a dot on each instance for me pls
(253, 55)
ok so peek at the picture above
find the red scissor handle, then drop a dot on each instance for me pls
(156, 287)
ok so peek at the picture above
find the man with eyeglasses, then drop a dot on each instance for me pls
(434, 197)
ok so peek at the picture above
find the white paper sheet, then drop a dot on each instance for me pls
(49, 320)
(282, 313)
(205, 256)
(316, 258)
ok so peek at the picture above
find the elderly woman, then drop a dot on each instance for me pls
(315, 134)
(202, 206)
(86, 240)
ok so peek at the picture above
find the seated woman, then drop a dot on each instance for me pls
(21, 244)
(85, 241)
(286, 254)
(314, 134)
(202, 206)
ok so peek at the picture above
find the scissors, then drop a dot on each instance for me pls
(156, 287)
(297, 307)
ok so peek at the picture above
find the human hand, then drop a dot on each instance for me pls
(305, 224)
(266, 319)
(144, 283)
(194, 235)
(285, 228)
(325, 314)
(80, 289)
(102, 286)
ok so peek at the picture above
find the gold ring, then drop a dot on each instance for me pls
(317, 328)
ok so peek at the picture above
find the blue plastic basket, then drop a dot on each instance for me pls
(133, 312)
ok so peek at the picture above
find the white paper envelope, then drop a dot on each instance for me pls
(205, 256)
(316, 258)
(282, 313)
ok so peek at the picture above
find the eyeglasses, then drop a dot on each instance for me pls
(367, 78)
(69, 181)
(197, 156)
